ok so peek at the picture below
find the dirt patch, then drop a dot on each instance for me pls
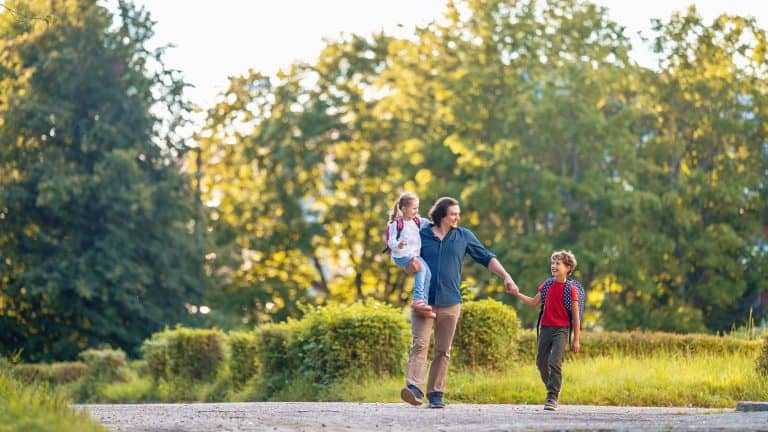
(354, 417)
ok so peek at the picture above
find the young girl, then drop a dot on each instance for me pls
(404, 241)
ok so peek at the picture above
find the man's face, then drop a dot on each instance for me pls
(452, 217)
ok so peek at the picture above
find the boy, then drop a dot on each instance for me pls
(555, 322)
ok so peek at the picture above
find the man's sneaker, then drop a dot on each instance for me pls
(550, 405)
(436, 400)
(412, 395)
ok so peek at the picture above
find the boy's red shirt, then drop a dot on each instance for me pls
(555, 314)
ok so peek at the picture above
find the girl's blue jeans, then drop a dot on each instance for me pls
(421, 280)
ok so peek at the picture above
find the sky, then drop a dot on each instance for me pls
(215, 40)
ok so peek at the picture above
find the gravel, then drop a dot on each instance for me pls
(354, 417)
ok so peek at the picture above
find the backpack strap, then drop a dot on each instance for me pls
(547, 284)
(399, 224)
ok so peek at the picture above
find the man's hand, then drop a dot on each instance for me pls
(575, 346)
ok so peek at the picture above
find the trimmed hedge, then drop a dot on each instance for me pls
(186, 354)
(243, 350)
(639, 344)
(486, 336)
(279, 353)
(356, 340)
(105, 365)
(54, 373)
(333, 342)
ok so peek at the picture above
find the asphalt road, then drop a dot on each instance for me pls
(355, 417)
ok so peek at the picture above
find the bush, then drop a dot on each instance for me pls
(185, 354)
(242, 359)
(640, 344)
(31, 373)
(354, 340)
(486, 336)
(105, 365)
(279, 354)
(762, 359)
(67, 372)
(155, 351)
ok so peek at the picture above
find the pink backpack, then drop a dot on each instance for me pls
(400, 223)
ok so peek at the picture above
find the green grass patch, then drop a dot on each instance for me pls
(658, 380)
(35, 408)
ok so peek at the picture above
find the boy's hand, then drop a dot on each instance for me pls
(575, 346)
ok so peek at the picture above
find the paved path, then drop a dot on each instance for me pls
(355, 417)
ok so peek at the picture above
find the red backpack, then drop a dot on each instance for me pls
(400, 223)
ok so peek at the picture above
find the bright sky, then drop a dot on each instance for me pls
(215, 40)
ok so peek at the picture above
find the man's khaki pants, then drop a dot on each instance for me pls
(421, 328)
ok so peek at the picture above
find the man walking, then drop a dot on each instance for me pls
(444, 244)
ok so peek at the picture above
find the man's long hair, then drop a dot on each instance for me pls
(440, 209)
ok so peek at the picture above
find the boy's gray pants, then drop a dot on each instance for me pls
(549, 358)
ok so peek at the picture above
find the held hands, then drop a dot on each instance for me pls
(511, 286)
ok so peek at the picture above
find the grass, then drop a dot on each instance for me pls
(35, 408)
(659, 380)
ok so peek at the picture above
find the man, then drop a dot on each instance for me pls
(444, 244)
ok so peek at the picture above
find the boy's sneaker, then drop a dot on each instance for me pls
(412, 395)
(550, 404)
(436, 400)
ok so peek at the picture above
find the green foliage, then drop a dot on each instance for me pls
(639, 344)
(105, 364)
(762, 359)
(486, 336)
(35, 408)
(243, 352)
(534, 115)
(353, 340)
(329, 343)
(95, 218)
(184, 354)
(54, 373)
(279, 353)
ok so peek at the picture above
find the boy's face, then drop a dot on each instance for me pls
(558, 268)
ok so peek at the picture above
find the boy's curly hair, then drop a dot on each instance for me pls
(566, 257)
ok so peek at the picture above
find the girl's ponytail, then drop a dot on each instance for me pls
(395, 208)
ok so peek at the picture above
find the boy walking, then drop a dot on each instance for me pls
(556, 321)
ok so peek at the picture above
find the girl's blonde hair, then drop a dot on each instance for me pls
(566, 257)
(405, 199)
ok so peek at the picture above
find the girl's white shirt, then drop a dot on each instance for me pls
(409, 234)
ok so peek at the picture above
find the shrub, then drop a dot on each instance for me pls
(242, 359)
(279, 353)
(184, 354)
(762, 359)
(486, 336)
(155, 351)
(105, 365)
(639, 344)
(67, 372)
(31, 373)
(352, 341)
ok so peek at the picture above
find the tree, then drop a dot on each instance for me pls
(96, 219)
